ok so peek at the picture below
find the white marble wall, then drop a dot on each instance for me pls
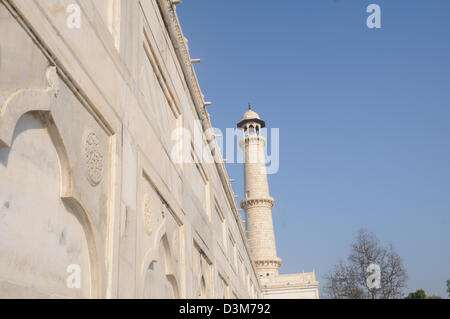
(86, 176)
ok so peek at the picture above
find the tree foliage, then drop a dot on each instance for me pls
(448, 287)
(420, 294)
(349, 280)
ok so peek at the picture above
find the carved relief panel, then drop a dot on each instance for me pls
(54, 177)
(202, 274)
(159, 245)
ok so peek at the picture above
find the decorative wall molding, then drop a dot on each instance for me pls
(24, 101)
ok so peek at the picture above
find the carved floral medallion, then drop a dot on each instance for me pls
(94, 159)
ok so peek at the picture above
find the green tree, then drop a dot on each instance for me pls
(418, 294)
(448, 287)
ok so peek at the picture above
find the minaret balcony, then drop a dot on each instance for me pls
(268, 263)
(257, 202)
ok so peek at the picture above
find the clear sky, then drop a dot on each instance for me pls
(364, 119)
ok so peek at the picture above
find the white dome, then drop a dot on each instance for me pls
(250, 115)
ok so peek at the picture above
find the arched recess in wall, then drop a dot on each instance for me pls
(159, 278)
(43, 229)
(169, 267)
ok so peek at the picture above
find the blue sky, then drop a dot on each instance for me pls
(363, 115)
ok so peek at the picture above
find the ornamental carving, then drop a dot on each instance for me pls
(151, 218)
(94, 159)
(257, 202)
(148, 215)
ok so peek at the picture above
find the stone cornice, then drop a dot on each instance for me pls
(180, 45)
(257, 202)
(182, 52)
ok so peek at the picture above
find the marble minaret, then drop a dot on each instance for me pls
(257, 201)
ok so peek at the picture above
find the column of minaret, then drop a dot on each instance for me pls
(257, 201)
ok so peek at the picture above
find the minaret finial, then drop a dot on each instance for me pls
(249, 106)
